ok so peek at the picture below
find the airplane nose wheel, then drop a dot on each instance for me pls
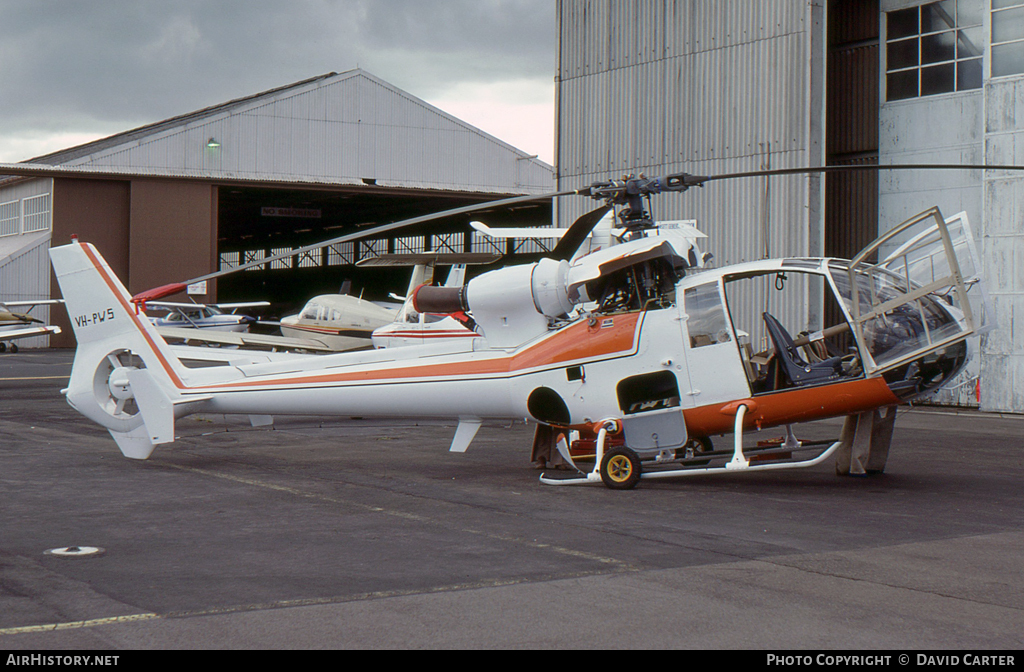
(620, 468)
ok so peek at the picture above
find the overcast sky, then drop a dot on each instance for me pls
(72, 71)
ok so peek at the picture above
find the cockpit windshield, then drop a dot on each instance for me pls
(893, 325)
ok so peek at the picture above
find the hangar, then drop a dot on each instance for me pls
(261, 175)
(665, 86)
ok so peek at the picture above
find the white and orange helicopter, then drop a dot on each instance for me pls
(628, 358)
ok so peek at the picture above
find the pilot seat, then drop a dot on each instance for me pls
(792, 367)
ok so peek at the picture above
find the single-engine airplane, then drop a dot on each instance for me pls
(15, 326)
(638, 350)
(205, 316)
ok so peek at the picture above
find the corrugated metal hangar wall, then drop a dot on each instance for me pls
(662, 87)
(261, 175)
(666, 86)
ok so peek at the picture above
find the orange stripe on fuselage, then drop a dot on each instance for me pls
(609, 335)
(578, 341)
(795, 405)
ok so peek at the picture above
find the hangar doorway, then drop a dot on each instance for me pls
(256, 223)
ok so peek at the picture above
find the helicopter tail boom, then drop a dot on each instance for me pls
(123, 376)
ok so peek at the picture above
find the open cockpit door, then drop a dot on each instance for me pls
(923, 259)
(914, 301)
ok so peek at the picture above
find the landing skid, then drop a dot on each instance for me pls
(739, 459)
(758, 459)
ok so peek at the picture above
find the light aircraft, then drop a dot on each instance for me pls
(341, 322)
(22, 325)
(205, 316)
(345, 322)
(637, 350)
(338, 321)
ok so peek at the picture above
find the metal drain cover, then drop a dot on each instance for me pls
(76, 552)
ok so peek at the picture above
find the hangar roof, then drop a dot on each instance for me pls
(334, 129)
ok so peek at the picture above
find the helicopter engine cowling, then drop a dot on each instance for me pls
(510, 305)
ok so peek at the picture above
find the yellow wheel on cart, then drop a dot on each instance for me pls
(620, 469)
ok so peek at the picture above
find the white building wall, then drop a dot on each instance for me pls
(24, 259)
(1002, 234)
(973, 127)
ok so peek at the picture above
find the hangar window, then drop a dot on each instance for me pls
(410, 245)
(341, 254)
(308, 259)
(281, 263)
(481, 243)
(368, 249)
(228, 259)
(254, 255)
(36, 213)
(934, 48)
(9, 218)
(1007, 37)
(448, 242)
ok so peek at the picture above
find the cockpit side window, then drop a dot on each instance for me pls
(310, 311)
(705, 321)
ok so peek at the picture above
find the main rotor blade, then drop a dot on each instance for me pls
(865, 166)
(577, 233)
(607, 191)
(385, 228)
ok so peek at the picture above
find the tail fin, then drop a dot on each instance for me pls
(124, 376)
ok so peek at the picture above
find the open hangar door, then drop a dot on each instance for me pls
(256, 223)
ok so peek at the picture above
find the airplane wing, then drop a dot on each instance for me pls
(506, 232)
(31, 304)
(13, 333)
(236, 306)
(173, 304)
(243, 340)
(434, 258)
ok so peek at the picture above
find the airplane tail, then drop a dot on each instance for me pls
(124, 376)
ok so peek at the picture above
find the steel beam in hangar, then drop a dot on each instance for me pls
(256, 223)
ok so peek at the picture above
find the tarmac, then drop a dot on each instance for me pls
(347, 533)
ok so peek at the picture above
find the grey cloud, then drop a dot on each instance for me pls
(136, 62)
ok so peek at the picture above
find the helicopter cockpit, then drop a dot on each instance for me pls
(904, 317)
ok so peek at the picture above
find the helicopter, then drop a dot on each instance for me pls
(629, 353)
